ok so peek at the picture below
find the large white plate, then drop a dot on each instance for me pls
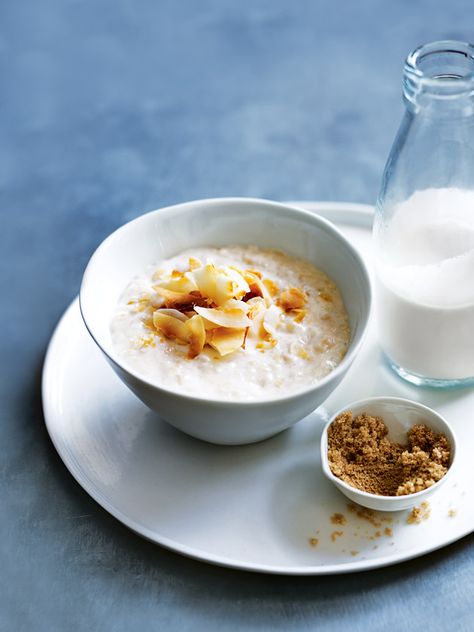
(252, 507)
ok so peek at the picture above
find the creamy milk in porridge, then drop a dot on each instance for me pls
(237, 323)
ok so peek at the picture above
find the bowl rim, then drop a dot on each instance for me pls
(168, 211)
(385, 499)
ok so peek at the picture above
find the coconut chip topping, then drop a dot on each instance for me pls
(224, 307)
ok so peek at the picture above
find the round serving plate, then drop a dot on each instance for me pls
(264, 507)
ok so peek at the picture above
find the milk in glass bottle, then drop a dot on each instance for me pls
(424, 223)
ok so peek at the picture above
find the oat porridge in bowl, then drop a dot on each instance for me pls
(231, 318)
(240, 323)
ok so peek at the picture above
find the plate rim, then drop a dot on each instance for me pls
(365, 214)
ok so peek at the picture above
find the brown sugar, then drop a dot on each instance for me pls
(336, 534)
(372, 517)
(417, 514)
(338, 518)
(360, 453)
(313, 542)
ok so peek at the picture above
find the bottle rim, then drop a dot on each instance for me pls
(443, 69)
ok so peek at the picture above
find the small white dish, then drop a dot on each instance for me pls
(399, 415)
(128, 252)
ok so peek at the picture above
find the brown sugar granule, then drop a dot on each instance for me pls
(417, 514)
(338, 518)
(371, 516)
(313, 541)
(452, 513)
(354, 553)
(360, 453)
(388, 532)
(336, 534)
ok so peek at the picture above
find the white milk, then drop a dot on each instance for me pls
(425, 284)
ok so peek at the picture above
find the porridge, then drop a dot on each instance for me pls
(237, 323)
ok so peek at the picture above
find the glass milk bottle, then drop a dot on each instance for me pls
(424, 223)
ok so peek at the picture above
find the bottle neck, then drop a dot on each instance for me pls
(438, 80)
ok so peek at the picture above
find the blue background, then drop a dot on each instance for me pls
(112, 108)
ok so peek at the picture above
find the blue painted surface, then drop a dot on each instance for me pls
(109, 108)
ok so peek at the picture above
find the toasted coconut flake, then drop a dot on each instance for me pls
(194, 263)
(175, 299)
(233, 303)
(292, 298)
(184, 283)
(271, 286)
(256, 306)
(170, 326)
(257, 287)
(255, 332)
(148, 324)
(237, 270)
(224, 289)
(271, 320)
(220, 284)
(197, 335)
(226, 341)
(231, 318)
(205, 279)
(172, 296)
(174, 313)
(240, 286)
(299, 314)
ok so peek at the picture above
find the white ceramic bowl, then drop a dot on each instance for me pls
(219, 222)
(399, 416)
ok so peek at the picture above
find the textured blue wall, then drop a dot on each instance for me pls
(109, 108)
